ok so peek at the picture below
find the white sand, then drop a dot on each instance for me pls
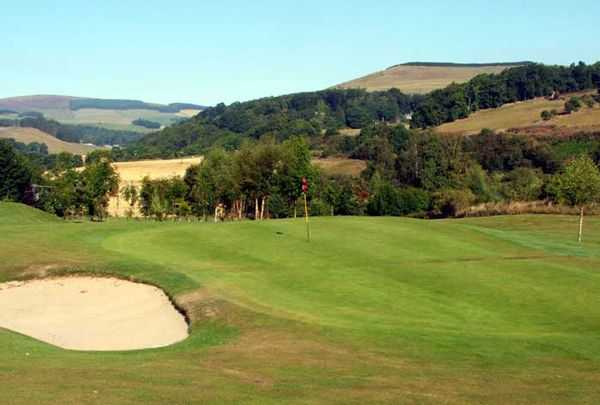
(87, 313)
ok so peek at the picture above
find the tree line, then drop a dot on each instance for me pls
(106, 104)
(415, 173)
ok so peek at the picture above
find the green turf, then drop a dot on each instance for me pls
(493, 310)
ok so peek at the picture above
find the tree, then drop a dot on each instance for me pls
(295, 165)
(130, 194)
(578, 185)
(64, 196)
(15, 174)
(99, 182)
(212, 182)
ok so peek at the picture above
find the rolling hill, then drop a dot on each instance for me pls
(374, 310)
(55, 145)
(113, 114)
(422, 77)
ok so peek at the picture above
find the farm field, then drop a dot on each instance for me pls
(55, 145)
(524, 115)
(492, 310)
(419, 79)
(58, 108)
(113, 119)
(333, 165)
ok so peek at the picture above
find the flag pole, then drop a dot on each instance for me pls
(304, 192)
(306, 219)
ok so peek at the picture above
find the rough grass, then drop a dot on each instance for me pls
(419, 79)
(374, 310)
(525, 114)
(55, 145)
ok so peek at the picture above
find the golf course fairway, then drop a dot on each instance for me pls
(372, 310)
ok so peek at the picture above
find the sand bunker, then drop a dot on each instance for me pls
(88, 313)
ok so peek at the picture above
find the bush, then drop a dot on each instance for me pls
(278, 207)
(388, 200)
(546, 115)
(588, 101)
(451, 202)
(319, 208)
(573, 105)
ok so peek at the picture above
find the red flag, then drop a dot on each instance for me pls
(304, 185)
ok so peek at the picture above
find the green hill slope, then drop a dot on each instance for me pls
(19, 214)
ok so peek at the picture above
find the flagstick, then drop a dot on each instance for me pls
(306, 219)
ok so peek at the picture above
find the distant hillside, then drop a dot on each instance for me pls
(525, 117)
(107, 113)
(29, 135)
(423, 77)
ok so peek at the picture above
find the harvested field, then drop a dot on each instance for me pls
(352, 167)
(55, 145)
(419, 79)
(525, 114)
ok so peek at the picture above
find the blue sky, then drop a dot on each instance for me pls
(208, 52)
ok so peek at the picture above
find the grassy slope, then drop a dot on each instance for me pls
(524, 114)
(419, 79)
(493, 310)
(55, 145)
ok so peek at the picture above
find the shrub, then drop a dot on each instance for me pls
(588, 101)
(573, 105)
(546, 115)
(451, 202)
(319, 208)
(278, 207)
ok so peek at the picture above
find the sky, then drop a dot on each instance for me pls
(224, 51)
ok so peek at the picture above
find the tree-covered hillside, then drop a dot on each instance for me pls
(306, 114)
(320, 115)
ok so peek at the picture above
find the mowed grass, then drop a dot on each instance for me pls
(524, 114)
(373, 310)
